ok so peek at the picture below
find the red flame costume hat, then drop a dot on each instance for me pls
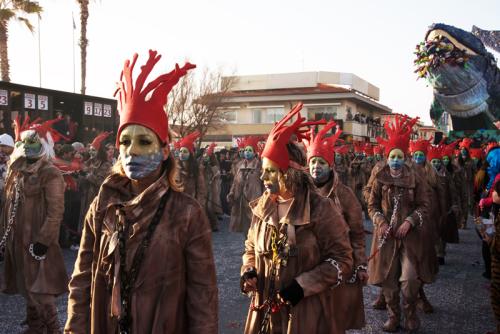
(398, 133)
(41, 128)
(434, 152)
(252, 141)
(368, 149)
(465, 143)
(448, 150)
(210, 149)
(321, 145)
(420, 145)
(240, 143)
(144, 105)
(342, 149)
(188, 141)
(379, 149)
(96, 143)
(476, 153)
(358, 146)
(275, 148)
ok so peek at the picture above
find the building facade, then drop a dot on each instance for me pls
(256, 102)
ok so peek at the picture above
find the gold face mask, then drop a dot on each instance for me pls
(141, 152)
(138, 140)
(271, 176)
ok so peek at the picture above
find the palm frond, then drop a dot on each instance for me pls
(26, 22)
(6, 14)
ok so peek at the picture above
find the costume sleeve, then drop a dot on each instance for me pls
(79, 285)
(249, 254)
(332, 235)
(375, 205)
(201, 283)
(354, 219)
(368, 188)
(54, 204)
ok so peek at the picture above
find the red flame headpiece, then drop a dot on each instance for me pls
(145, 105)
(321, 145)
(275, 147)
(420, 145)
(434, 152)
(465, 143)
(96, 143)
(188, 141)
(398, 134)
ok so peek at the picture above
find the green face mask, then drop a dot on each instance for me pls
(338, 159)
(31, 146)
(446, 161)
(419, 157)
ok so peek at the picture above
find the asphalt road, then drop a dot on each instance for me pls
(460, 295)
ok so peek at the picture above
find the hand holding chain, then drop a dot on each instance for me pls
(354, 277)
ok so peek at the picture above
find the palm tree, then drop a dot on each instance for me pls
(84, 17)
(13, 10)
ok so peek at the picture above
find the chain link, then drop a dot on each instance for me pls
(354, 277)
(36, 257)
(339, 272)
(383, 239)
(12, 216)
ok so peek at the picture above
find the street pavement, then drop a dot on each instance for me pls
(460, 296)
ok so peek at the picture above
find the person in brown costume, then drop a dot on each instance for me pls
(145, 263)
(347, 299)
(357, 175)
(191, 174)
(297, 247)
(96, 169)
(212, 178)
(341, 165)
(246, 186)
(397, 206)
(449, 201)
(29, 227)
(468, 170)
(239, 157)
(379, 302)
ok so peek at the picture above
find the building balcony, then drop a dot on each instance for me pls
(363, 130)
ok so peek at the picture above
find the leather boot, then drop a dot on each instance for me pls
(411, 323)
(379, 303)
(34, 321)
(392, 323)
(424, 303)
(50, 320)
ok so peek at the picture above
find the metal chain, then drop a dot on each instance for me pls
(354, 277)
(383, 239)
(36, 257)
(12, 216)
(335, 264)
(271, 304)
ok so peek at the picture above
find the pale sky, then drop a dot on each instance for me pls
(372, 39)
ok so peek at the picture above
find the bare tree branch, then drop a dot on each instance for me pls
(196, 105)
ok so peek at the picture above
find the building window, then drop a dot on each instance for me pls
(273, 115)
(322, 112)
(256, 116)
(229, 116)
